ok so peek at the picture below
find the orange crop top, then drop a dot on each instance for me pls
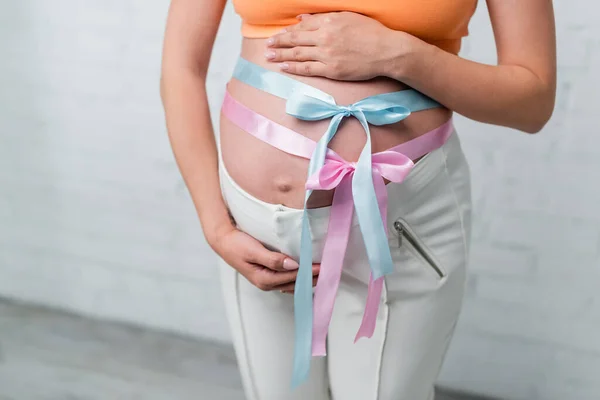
(440, 22)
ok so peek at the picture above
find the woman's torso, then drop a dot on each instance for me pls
(276, 177)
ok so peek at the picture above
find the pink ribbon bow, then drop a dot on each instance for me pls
(337, 174)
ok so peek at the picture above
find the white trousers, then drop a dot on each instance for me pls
(429, 220)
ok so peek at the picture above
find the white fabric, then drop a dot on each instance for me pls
(416, 322)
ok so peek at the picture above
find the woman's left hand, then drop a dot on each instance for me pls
(340, 45)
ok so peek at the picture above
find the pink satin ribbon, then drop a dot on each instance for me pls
(336, 174)
(393, 164)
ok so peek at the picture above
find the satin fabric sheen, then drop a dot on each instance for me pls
(359, 186)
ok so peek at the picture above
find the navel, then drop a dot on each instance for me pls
(283, 184)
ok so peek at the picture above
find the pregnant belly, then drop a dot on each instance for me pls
(277, 177)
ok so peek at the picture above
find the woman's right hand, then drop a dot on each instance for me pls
(265, 269)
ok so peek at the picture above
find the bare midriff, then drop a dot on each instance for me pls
(277, 177)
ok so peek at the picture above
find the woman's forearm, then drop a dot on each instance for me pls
(518, 93)
(508, 95)
(191, 135)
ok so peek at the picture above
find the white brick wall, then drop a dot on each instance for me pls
(531, 324)
(95, 218)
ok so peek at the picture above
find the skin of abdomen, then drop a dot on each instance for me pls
(278, 178)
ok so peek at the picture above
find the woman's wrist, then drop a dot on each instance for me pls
(403, 54)
(216, 230)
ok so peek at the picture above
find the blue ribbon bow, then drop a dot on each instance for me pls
(369, 110)
(377, 111)
(311, 104)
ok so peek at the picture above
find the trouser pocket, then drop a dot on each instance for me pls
(406, 237)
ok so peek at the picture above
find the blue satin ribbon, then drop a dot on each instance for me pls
(311, 104)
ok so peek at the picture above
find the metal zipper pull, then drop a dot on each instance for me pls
(408, 235)
(400, 231)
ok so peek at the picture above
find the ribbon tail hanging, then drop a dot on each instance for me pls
(332, 262)
(369, 320)
(303, 295)
(368, 213)
(303, 308)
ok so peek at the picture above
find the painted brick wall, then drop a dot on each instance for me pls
(531, 324)
(95, 218)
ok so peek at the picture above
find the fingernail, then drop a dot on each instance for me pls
(290, 264)
(269, 55)
(270, 41)
(284, 66)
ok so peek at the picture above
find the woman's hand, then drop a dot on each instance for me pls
(340, 45)
(265, 269)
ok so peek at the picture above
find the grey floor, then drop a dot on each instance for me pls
(50, 355)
